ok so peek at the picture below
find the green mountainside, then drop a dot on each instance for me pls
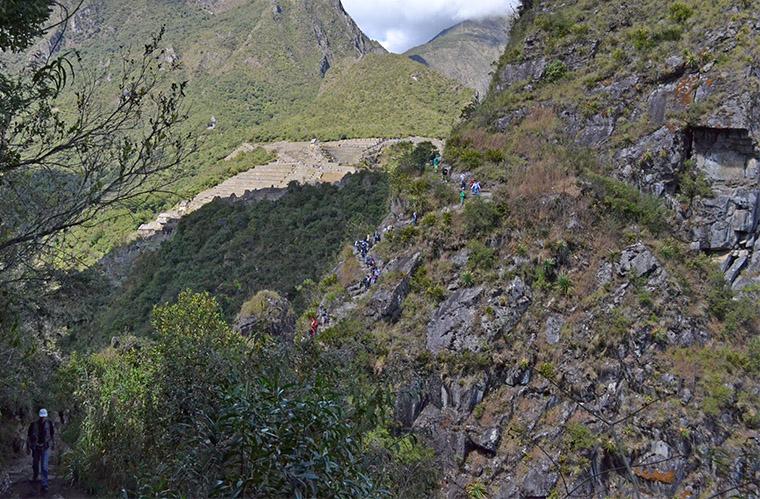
(259, 70)
(361, 98)
(466, 52)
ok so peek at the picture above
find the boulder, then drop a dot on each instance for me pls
(266, 312)
(486, 440)
(638, 260)
(386, 302)
(553, 328)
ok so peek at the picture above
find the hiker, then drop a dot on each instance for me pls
(462, 195)
(462, 181)
(476, 186)
(436, 163)
(414, 218)
(377, 237)
(314, 327)
(40, 440)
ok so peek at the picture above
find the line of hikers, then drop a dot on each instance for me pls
(364, 245)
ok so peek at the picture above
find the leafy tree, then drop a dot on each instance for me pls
(205, 412)
(65, 160)
(417, 158)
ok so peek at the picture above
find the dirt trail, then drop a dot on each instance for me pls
(20, 474)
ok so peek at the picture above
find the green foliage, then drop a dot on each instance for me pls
(384, 95)
(628, 204)
(416, 159)
(480, 217)
(236, 249)
(564, 284)
(408, 463)
(680, 12)
(481, 258)
(548, 371)
(693, 183)
(578, 437)
(468, 280)
(555, 71)
(476, 490)
(203, 412)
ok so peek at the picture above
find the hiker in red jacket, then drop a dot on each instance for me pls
(314, 327)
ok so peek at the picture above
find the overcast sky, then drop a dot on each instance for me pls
(402, 24)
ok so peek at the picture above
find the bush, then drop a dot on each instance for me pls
(480, 217)
(680, 12)
(203, 412)
(419, 157)
(555, 71)
(693, 183)
(628, 204)
(481, 256)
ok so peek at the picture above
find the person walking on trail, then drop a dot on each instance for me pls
(314, 327)
(414, 218)
(40, 441)
(436, 163)
(462, 181)
(461, 197)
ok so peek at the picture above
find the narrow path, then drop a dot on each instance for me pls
(20, 474)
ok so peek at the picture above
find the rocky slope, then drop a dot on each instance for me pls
(466, 52)
(574, 332)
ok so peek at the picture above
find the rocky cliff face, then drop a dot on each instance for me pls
(574, 333)
(690, 103)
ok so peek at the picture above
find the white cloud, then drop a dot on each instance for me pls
(402, 24)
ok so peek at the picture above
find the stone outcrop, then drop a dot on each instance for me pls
(268, 313)
(452, 326)
(386, 303)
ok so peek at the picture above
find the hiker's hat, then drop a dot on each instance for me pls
(43, 413)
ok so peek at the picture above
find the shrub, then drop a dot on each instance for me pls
(579, 437)
(628, 204)
(564, 284)
(693, 183)
(480, 217)
(555, 71)
(203, 412)
(417, 158)
(680, 12)
(481, 256)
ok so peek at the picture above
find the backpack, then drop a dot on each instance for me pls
(40, 435)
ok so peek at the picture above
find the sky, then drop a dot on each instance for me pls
(402, 24)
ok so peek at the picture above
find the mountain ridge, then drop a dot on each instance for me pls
(466, 51)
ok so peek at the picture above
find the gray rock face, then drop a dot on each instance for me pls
(505, 309)
(653, 163)
(638, 260)
(487, 440)
(553, 328)
(452, 325)
(528, 71)
(729, 220)
(387, 302)
(462, 394)
(410, 402)
(267, 312)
